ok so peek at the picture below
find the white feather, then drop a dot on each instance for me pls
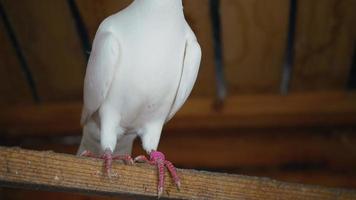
(190, 70)
(143, 66)
(100, 72)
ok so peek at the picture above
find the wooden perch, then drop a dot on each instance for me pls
(60, 172)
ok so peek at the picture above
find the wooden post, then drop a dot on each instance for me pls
(60, 172)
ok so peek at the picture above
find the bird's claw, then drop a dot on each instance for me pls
(157, 158)
(142, 159)
(87, 153)
(108, 158)
(160, 192)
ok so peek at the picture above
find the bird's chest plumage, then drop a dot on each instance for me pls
(145, 84)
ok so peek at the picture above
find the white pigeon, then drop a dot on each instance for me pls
(142, 68)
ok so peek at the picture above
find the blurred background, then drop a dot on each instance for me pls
(275, 96)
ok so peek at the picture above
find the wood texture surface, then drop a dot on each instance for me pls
(254, 38)
(325, 35)
(13, 84)
(21, 194)
(314, 156)
(51, 171)
(93, 12)
(48, 37)
(198, 16)
(312, 177)
(331, 150)
(246, 111)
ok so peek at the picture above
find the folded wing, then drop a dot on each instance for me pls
(190, 70)
(103, 62)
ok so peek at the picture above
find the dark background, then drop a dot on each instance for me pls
(274, 98)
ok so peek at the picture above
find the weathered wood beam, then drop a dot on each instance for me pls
(314, 156)
(60, 172)
(253, 111)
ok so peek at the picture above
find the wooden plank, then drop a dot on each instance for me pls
(47, 34)
(254, 38)
(61, 118)
(326, 178)
(325, 34)
(20, 194)
(93, 12)
(51, 171)
(304, 177)
(325, 158)
(13, 85)
(264, 111)
(318, 149)
(247, 111)
(197, 14)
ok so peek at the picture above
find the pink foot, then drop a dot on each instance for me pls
(157, 158)
(108, 158)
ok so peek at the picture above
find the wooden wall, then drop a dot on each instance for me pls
(11, 75)
(324, 45)
(49, 41)
(306, 136)
(254, 39)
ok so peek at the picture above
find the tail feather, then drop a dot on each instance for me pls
(91, 141)
(124, 144)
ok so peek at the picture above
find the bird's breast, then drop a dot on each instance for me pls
(146, 80)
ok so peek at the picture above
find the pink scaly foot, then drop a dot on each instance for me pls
(108, 158)
(157, 158)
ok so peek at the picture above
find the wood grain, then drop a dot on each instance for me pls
(254, 38)
(316, 176)
(93, 12)
(47, 35)
(20, 194)
(325, 35)
(51, 171)
(332, 150)
(309, 156)
(14, 88)
(198, 16)
(311, 177)
(246, 111)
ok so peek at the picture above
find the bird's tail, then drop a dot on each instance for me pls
(124, 144)
(91, 141)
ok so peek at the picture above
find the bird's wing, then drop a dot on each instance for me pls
(100, 72)
(191, 62)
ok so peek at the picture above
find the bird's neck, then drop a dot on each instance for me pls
(160, 5)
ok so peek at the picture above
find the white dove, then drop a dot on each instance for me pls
(142, 68)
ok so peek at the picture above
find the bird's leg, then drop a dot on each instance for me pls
(87, 153)
(157, 158)
(143, 159)
(108, 158)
